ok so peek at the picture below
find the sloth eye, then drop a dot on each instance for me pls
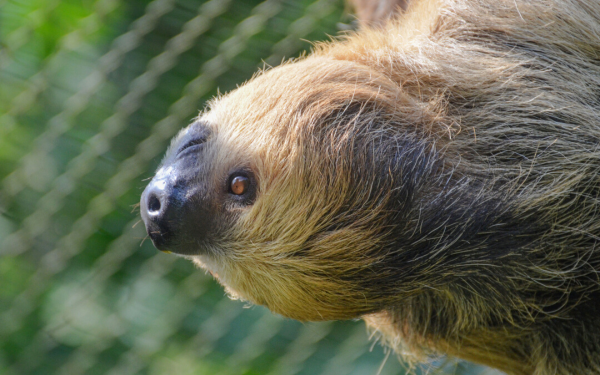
(239, 185)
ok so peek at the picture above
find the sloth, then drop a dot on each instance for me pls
(437, 175)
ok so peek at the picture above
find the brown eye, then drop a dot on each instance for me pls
(239, 185)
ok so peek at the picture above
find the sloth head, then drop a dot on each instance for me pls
(291, 189)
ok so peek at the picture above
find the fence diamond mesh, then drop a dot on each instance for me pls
(90, 94)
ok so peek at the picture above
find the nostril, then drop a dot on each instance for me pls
(153, 204)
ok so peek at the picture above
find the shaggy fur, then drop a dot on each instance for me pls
(376, 13)
(438, 177)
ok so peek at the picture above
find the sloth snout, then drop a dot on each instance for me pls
(155, 210)
(175, 213)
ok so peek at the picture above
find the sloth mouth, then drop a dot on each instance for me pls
(191, 146)
(197, 135)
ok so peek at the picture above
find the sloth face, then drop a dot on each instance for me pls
(285, 189)
(187, 205)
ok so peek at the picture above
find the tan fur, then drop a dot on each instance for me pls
(376, 13)
(506, 94)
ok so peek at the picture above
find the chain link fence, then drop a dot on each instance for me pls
(90, 94)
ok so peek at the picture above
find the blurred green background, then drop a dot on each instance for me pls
(90, 94)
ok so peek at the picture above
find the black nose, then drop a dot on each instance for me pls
(176, 210)
(157, 213)
(154, 203)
